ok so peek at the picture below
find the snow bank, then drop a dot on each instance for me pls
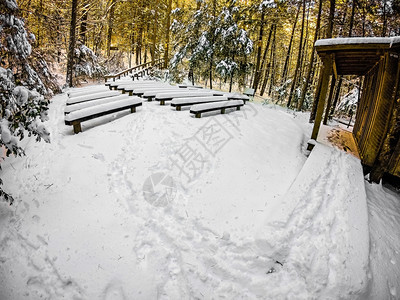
(319, 229)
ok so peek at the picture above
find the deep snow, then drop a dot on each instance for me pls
(159, 204)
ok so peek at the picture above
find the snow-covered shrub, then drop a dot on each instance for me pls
(87, 63)
(22, 104)
(348, 102)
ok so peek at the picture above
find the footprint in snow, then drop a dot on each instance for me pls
(99, 156)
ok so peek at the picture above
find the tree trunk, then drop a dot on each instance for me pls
(273, 71)
(285, 67)
(296, 72)
(261, 68)
(71, 47)
(331, 19)
(110, 26)
(311, 62)
(259, 49)
(353, 8)
(266, 73)
(384, 25)
(83, 27)
(214, 12)
(154, 37)
(168, 25)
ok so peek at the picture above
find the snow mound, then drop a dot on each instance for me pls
(319, 230)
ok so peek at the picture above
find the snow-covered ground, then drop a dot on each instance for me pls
(160, 205)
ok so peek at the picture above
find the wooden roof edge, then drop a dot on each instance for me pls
(357, 43)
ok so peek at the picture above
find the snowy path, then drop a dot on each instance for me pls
(160, 205)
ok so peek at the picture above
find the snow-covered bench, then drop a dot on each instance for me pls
(78, 106)
(166, 96)
(179, 102)
(198, 109)
(116, 84)
(189, 86)
(236, 96)
(86, 91)
(249, 92)
(75, 118)
(93, 96)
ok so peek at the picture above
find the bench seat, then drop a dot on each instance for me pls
(237, 96)
(166, 96)
(76, 117)
(179, 102)
(86, 91)
(70, 108)
(94, 96)
(198, 109)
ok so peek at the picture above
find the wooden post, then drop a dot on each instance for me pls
(178, 108)
(326, 71)
(77, 128)
(198, 115)
(222, 110)
(329, 104)
(133, 109)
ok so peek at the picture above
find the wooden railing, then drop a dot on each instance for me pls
(141, 67)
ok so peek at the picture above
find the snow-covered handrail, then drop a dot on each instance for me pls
(130, 70)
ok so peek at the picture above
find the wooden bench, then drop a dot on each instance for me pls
(179, 102)
(86, 91)
(198, 109)
(75, 118)
(236, 96)
(70, 108)
(167, 96)
(184, 86)
(249, 92)
(93, 96)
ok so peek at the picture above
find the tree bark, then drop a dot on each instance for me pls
(110, 25)
(259, 49)
(168, 25)
(285, 67)
(72, 40)
(261, 67)
(311, 61)
(83, 27)
(296, 72)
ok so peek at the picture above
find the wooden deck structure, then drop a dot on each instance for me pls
(377, 124)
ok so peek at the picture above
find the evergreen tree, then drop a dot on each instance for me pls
(23, 106)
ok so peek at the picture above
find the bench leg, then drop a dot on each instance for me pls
(123, 91)
(238, 108)
(110, 87)
(77, 128)
(133, 109)
(162, 102)
(178, 108)
(150, 99)
(222, 110)
(130, 93)
(198, 115)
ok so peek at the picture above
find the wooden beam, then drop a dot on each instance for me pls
(329, 104)
(335, 68)
(326, 72)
